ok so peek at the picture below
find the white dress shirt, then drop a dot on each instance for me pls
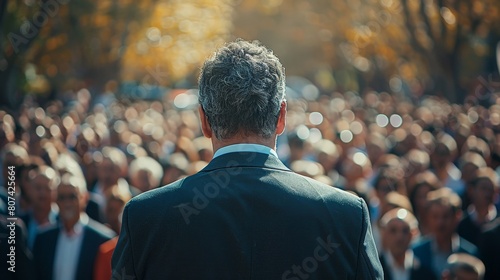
(68, 251)
(238, 148)
(440, 258)
(400, 273)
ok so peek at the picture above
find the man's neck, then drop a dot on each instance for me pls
(444, 244)
(442, 172)
(399, 259)
(482, 213)
(69, 226)
(270, 142)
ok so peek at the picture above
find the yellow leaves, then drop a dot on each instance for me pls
(101, 20)
(177, 37)
(55, 42)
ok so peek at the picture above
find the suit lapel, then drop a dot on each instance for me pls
(385, 268)
(245, 159)
(84, 251)
(51, 252)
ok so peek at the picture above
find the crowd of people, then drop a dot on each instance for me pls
(428, 170)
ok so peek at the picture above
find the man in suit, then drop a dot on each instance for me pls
(489, 248)
(44, 181)
(245, 215)
(68, 250)
(482, 210)
(399, 228)
(444, 212)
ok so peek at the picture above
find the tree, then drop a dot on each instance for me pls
(438, 45)
(61, 45)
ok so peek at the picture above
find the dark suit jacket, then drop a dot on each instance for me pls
(94, 234)
(246, 216)
(423, 251)
(489, 250)
(417, 272)
(469, 230)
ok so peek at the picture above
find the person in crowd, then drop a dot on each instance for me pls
(443, 215)
(327, 154)
(204, 148)
(12, 156)
(356, 168)
(463, 266)
(489, 249)
(116, 200)
(114, 210)
(44, 213)
(26, 197)
(399, 227)
(415, 162)
(482, 210)
(7, 127)
(470, 162)
(176, 168)
(68, 250)
(249, 210)
(442, 163)
(425, 182)
(145, 173)
(111, 171)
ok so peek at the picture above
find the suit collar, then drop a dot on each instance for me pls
(245, 159)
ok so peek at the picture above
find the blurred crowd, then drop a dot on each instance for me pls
(428, 170)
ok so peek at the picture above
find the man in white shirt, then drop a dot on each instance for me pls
(399, 227)
(67, 251)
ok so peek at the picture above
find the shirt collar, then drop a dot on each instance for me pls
(408, 259)
(492, 213)
(255, 148)
(455, 244)
(78, 227)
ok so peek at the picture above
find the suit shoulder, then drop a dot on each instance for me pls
(492, 228)
(467, 247)
(421, 245)
(48, 231)
(330, 192)
(144, 198)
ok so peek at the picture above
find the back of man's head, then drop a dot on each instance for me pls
(241, 88)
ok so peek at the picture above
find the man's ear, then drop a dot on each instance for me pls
(205, 125)
(280, 126)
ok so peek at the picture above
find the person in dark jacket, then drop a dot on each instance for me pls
(443, 215)
(489, 250)
(482, 210)
(399, 227)
(245, 215)
(68, 250)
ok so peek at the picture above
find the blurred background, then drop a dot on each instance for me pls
(143, 49)
(396, 101)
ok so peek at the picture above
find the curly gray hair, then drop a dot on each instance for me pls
(241, 88)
